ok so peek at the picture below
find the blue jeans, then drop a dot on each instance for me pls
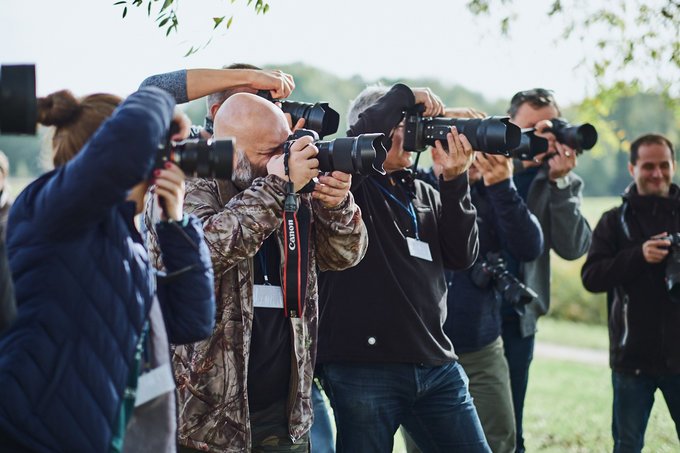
(633, 400)
(321, 432)
(433, 403)
(519, 352)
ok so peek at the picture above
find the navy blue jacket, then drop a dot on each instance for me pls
(84, 286)
(504, 222)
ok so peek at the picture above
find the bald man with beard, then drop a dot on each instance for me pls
(248, 386)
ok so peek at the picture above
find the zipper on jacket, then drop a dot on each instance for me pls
(293, 439)
(624, 337)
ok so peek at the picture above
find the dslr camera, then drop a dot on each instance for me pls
(673, 267)
(209, 158)
(318, 117)
(492, 270)
(360, 155)
(18, 104)
(578, 137)
(495, 135)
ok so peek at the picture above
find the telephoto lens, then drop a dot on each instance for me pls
(494, 135)
(201, 158)
(18, 104)
(579, 137)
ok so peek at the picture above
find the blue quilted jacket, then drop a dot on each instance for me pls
(84, 286)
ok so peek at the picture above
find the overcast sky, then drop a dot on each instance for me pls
(85, 46)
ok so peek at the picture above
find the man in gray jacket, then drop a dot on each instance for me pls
(553, 193)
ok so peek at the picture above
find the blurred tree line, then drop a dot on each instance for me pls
(620, 114)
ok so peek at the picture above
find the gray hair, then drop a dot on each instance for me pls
(364, 100)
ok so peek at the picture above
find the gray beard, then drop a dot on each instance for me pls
(242, 176)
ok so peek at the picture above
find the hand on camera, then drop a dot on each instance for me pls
(655, 249)
(562, 159)
(302, 164)
(183, 123)
(458, 158)
(493, 167)
(332, 189)
(433, 105)
(277, 82)
(169, 183)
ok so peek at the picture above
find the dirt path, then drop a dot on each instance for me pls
(570, 353)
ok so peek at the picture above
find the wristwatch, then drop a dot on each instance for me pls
(562, 183)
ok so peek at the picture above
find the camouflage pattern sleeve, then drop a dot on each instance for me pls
(340, 235)
(235, 223)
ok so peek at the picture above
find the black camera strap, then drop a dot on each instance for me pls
(296, 231)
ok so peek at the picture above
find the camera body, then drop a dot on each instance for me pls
(495, 135)
(18, 104)
(672, 271)
(360, 155)
(197, 157)
(492, 270)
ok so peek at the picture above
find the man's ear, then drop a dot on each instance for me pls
(631, 170)
(213, 110)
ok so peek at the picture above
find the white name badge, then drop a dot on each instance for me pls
(154, 383)
(419, 249)
(267, 296)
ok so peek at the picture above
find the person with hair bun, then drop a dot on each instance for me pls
(91, 317)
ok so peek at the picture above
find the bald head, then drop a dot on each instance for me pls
(259, 127)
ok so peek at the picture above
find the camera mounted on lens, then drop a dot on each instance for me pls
(318, 117)
(493, 271)
(494, 135)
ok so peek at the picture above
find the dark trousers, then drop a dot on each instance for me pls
(519, 352)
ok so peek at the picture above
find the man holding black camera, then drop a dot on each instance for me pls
(553, 193)
(249, 385)
(628, 258)
(384, 357)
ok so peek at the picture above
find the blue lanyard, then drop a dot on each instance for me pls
(409, 209)
(262, 253)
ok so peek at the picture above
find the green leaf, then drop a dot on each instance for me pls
(266, 8)
(119, 3)
(148, 10)
(218, 21)
(190, 51)
(124, 12)
(166, 4)
(229, 21)
(163, 22)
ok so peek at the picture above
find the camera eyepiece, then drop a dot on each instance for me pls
(530, 146)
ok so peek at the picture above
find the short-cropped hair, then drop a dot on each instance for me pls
(649, 139)
(221, 96)
(536, 97)
(364, 100)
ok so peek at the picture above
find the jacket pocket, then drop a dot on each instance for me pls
(62, 362)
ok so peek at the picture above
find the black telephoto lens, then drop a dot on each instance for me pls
(354, 155)
(202, 158)
(318, 117)
(581, 136)
(18, 104)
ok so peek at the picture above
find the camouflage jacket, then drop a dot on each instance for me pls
(212, 375)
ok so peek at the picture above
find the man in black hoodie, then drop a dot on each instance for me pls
(385, 358)
(628, 258)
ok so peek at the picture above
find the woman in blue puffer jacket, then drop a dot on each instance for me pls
(91, 315)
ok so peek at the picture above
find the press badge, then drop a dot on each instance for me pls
(419, 249)
(153, 384)
(267, 296)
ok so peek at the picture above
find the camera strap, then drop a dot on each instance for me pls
(296, 231)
